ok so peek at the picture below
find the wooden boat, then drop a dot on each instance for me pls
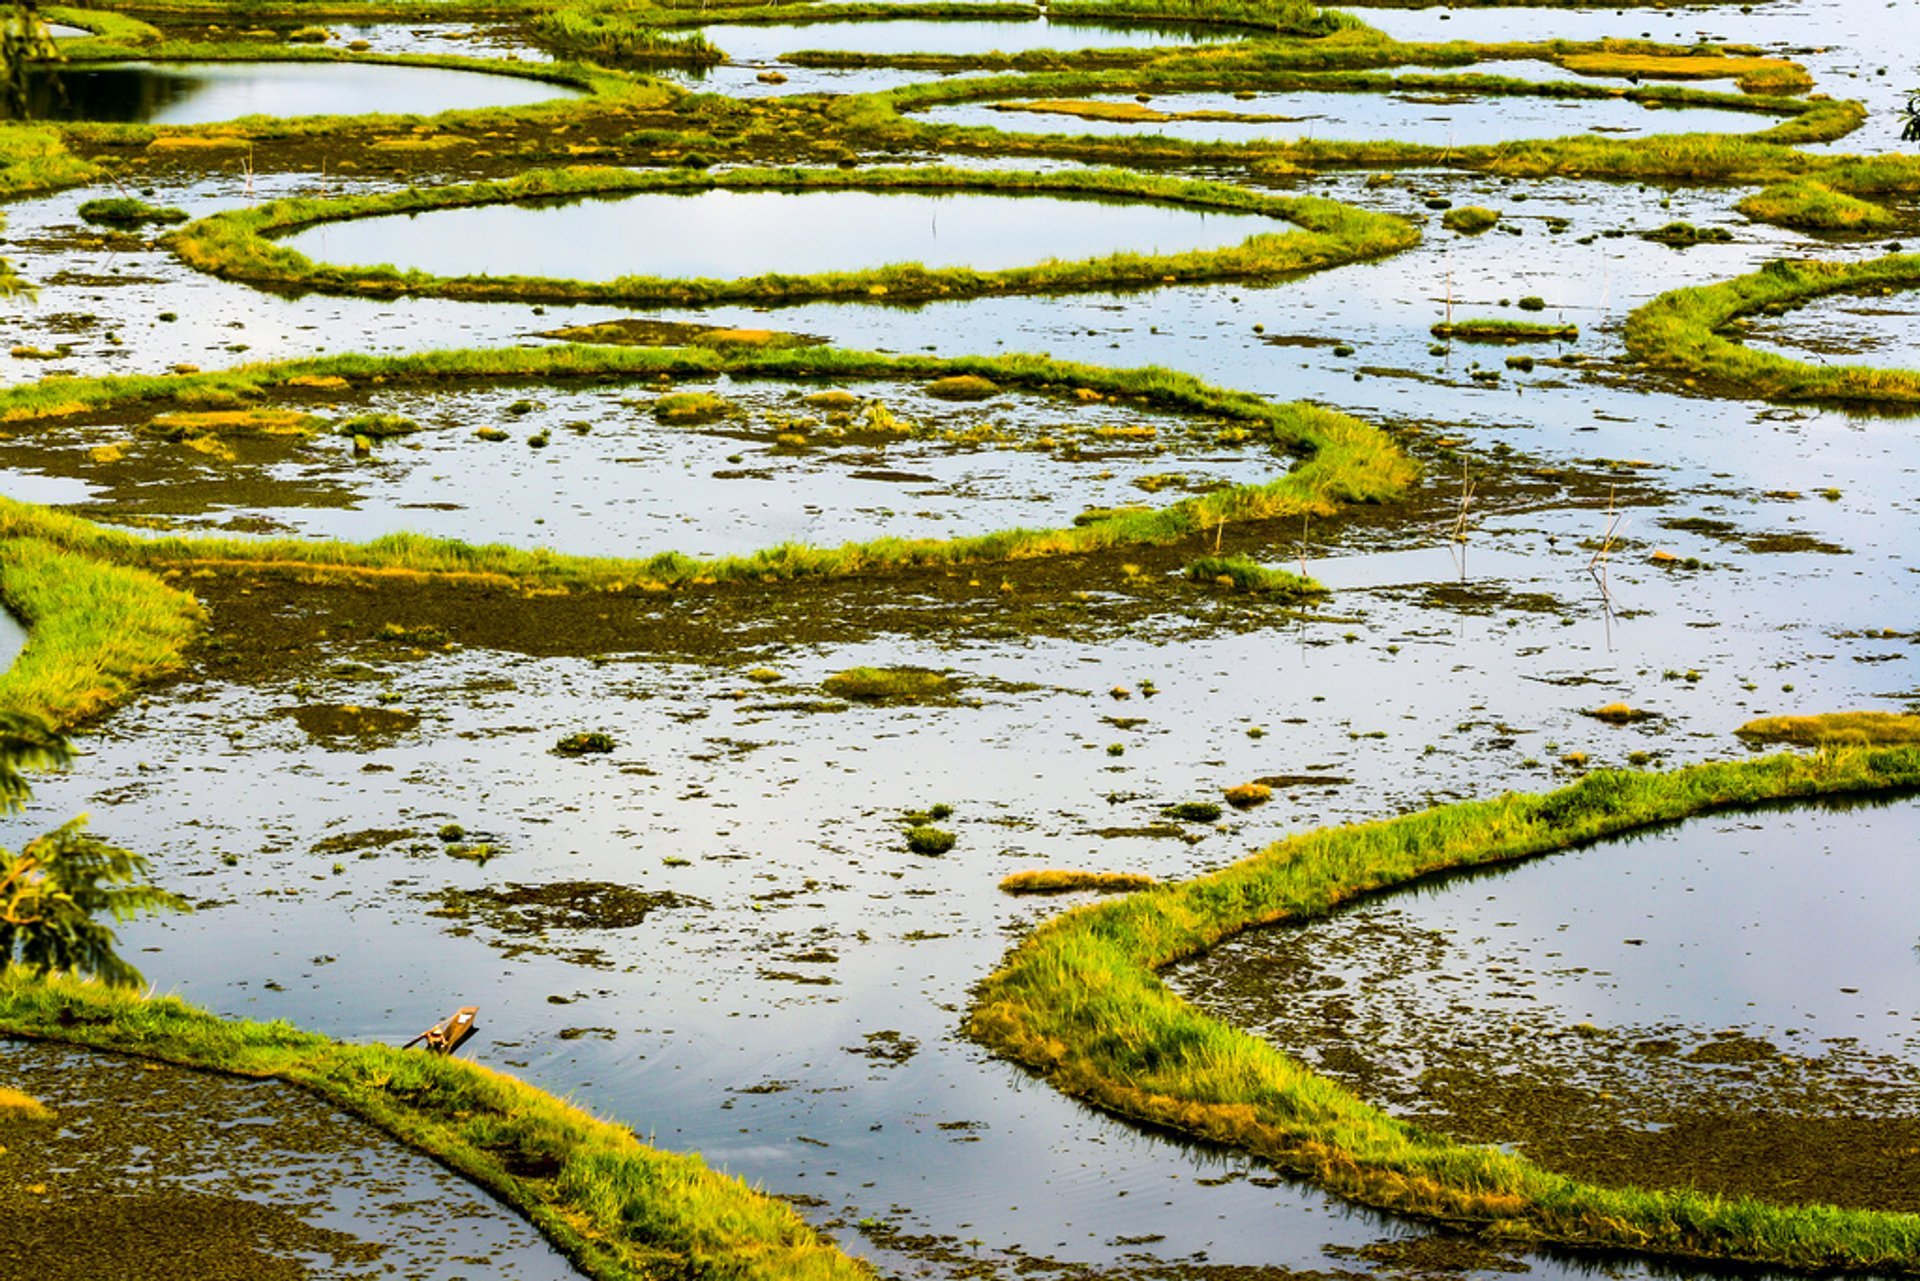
(445, 1036)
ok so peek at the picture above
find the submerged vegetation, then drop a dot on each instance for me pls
(1079, 1002)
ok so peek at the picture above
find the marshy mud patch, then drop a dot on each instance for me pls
(347, 725)
(516, 909)
(1727, 533)
(154, 1173)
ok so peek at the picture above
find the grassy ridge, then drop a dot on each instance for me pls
(1343, 461)
(1679, 330)
(620, 1209)
(235, 244)
(95, 630)
(1079, 1002)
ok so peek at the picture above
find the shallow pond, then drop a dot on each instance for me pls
(192, 93)
(768, 42)
(1877, 330)
(1644, 1011)
(610, 477)
(728, 234)
(146, 1171)
(1425, 117)
(1841, 42)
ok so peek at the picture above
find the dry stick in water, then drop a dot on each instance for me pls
(1597, 567)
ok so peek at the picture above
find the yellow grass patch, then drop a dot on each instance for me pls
(1880, 728)
(15, 1106)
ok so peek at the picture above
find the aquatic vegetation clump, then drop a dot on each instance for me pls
(585, 743)
(692, 407)
(1813, 206)
(1830, 728)
(924, 838)
(888, 684)
(1470, 220)
(127, 212)
(1244, 574)
(378, 426)
(1682, 234)
(1049, 880)
(1494, 330)
(1244, 796)
(1058, 997)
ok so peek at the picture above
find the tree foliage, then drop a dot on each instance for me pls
(55, 888)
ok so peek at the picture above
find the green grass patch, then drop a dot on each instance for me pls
(236, 244)
(95, 630)
(1079, 1002)
(1243, 574)
(128, 213)
(1681, 330)
(620, 1209)
(888, 684)
(1049, 880)
(1340, 460)
(1502, 331)
(1470, 220)
(1835, 728)
(1814, 206)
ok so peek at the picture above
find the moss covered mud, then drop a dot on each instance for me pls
(144, 1171)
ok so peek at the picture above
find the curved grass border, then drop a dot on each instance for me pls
(1342, 460)
(621, 1210)
(235, 245)
(597, 83)
(1679, 330)
(1079, 1002)
(95, 630)
(1808, 119)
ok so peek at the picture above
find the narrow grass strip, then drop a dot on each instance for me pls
(95, 630)
(1342, 460)
(1079, 1002)
(620, 1209)
(236, 245)
(1680, 330)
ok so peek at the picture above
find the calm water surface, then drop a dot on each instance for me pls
(727, 234)
(193, 93)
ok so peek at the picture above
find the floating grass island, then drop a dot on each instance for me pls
(1079, 1002)
(237, 244)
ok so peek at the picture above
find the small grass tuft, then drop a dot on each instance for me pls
(1049, 880)
(888, 684)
